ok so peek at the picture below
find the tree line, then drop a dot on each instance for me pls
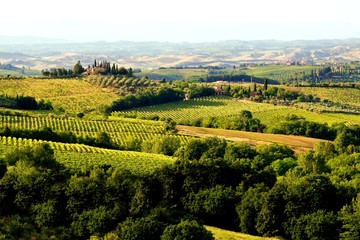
(25, 103)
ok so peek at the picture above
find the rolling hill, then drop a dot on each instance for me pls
(164, 54)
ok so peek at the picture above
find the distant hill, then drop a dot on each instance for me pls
(42, 53)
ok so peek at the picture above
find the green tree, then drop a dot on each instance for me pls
(315, 226)
(146, 228)
(265, 84)
(350, 218)
(186, 229)
(249, 208)
(78, 68)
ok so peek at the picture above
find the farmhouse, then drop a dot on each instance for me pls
(255, 94)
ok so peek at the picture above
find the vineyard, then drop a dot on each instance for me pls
(72, 95)
(191, 110)
(349, 96)
(120, 130)
(174, 74)
(82, 157)
(202, 108)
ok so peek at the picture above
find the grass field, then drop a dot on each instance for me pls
(183, 112)
(26, 72)
(221, 234)
(297, 143)
(73, 95)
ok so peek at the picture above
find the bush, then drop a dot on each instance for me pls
(188, 230)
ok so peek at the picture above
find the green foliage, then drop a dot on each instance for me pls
(146, 228)
(350, 218)
(169, 126)
(96, 222)
(46, 214)
(318, 225)
(166, 145)
(298, 126)
(249, 208)
(238, 151)
(78, 68)
(281, 166)
(189, 230)
(347, 139)
(243, 121)
(215, 205)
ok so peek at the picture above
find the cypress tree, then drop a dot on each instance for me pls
(265, 84)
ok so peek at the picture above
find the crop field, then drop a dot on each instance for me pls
(72, 95)
(184, 112)
(82, 157)
(119, 131)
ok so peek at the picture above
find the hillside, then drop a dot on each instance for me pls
(165, 54)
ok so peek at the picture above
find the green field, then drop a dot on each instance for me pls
(19, 73)
(73, 95)
(82, 157)
(276, 71)
(183, 112)
(174, 74)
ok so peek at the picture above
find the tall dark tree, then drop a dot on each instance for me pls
(265, 84)
(78, 68)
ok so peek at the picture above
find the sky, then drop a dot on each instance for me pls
(181, 21)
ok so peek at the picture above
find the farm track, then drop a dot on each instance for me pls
(297, 143)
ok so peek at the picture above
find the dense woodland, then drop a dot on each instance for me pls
(265, 190)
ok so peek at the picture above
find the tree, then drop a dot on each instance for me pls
(315, 226)
(78, 68)
(146, 228)
(216, 205)
(350, 218)
(249, 208)
(186, 229)
(265, 84)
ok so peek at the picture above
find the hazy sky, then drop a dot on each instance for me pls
(178, 21)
